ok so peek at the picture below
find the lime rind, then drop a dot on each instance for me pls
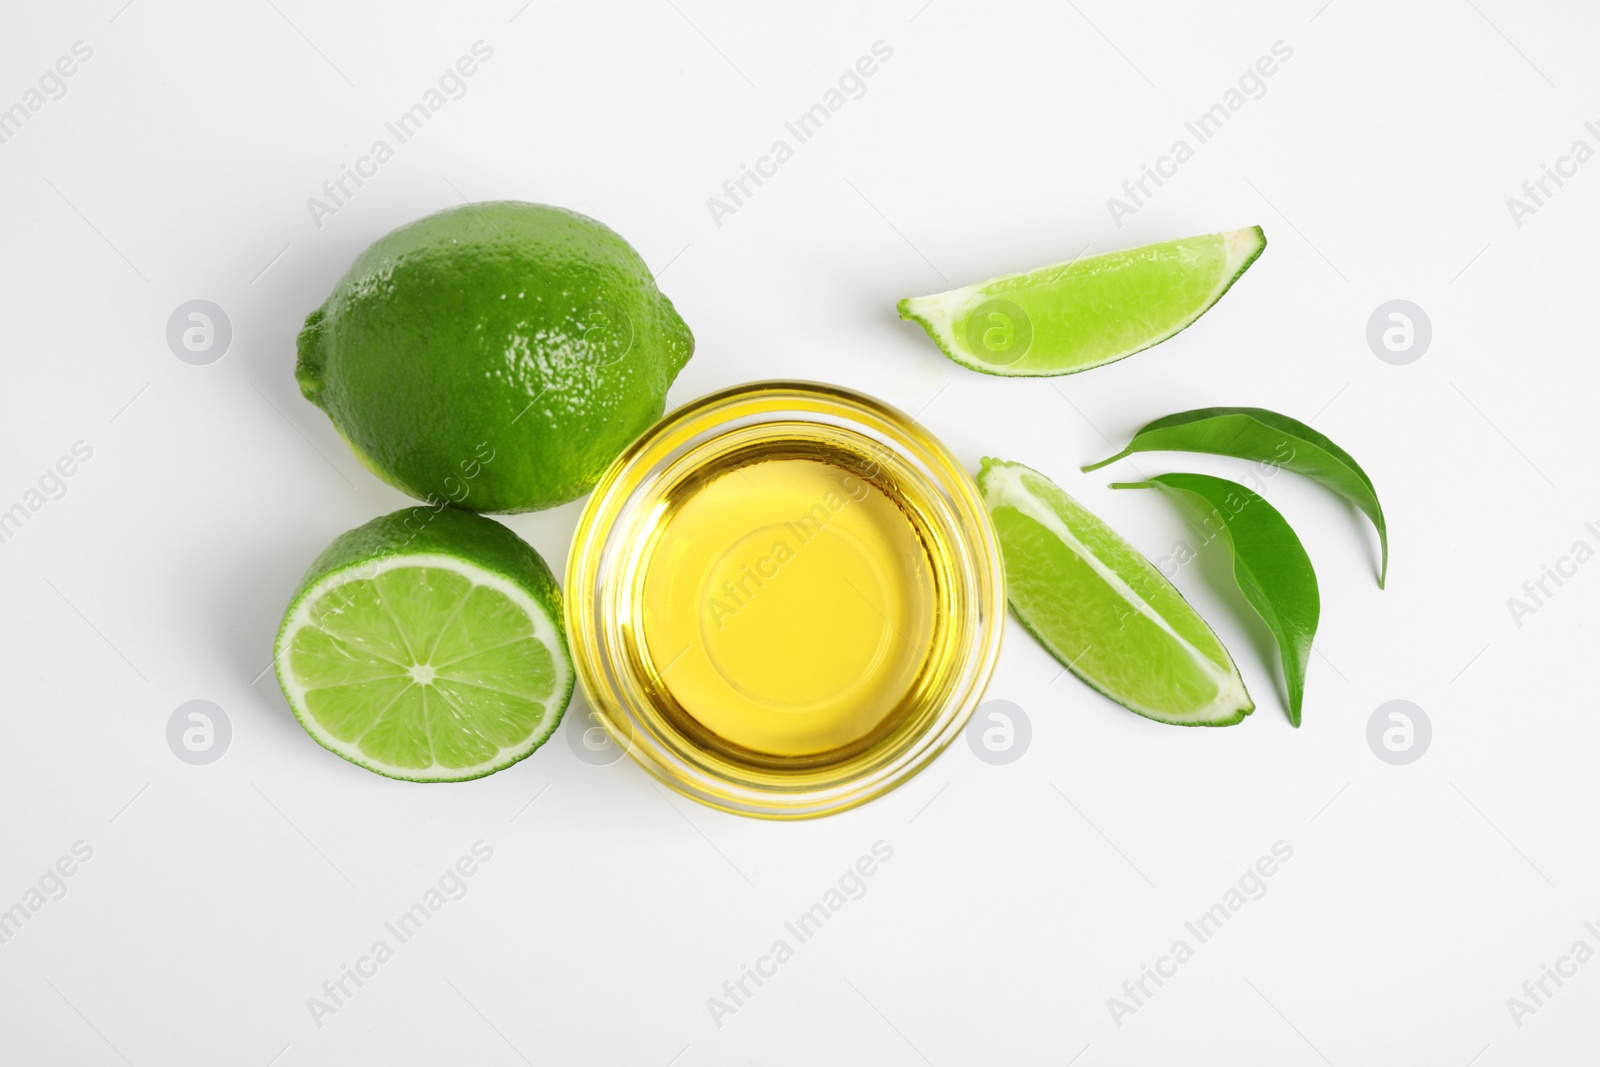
(497, 355)
(1120, 568)
(939, 313)
(402, 695)
(1217, 719)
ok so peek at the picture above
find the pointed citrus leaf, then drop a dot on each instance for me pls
(1266, 437)
(1269, 563)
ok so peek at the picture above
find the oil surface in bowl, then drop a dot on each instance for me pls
(789, 605)
(784, 599)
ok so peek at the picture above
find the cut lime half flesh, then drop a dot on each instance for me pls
(433, 655)
(1073, 316)
(1105, 611)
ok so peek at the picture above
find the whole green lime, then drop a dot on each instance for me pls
(496, 355)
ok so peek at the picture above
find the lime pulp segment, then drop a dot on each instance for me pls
(1073, 316)
(424, 667)
(1105, 611)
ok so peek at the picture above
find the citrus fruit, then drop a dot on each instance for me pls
(496, 356)
(427, 645)
(1072, 316)
(1105, 611)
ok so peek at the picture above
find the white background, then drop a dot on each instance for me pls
(1019, 898)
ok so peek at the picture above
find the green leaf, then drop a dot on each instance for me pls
(1266, 437)
(1269, 563)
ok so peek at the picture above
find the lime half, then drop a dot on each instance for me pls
(1073, 316)
(1105, 611)
(427, 645)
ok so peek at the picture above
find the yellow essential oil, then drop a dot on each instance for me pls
(789, 606)
(784, 599)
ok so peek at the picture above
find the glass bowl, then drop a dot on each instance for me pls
(836, 708)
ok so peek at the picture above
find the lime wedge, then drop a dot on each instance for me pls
(1103, 610)
(427, 645)
(1073, 316)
